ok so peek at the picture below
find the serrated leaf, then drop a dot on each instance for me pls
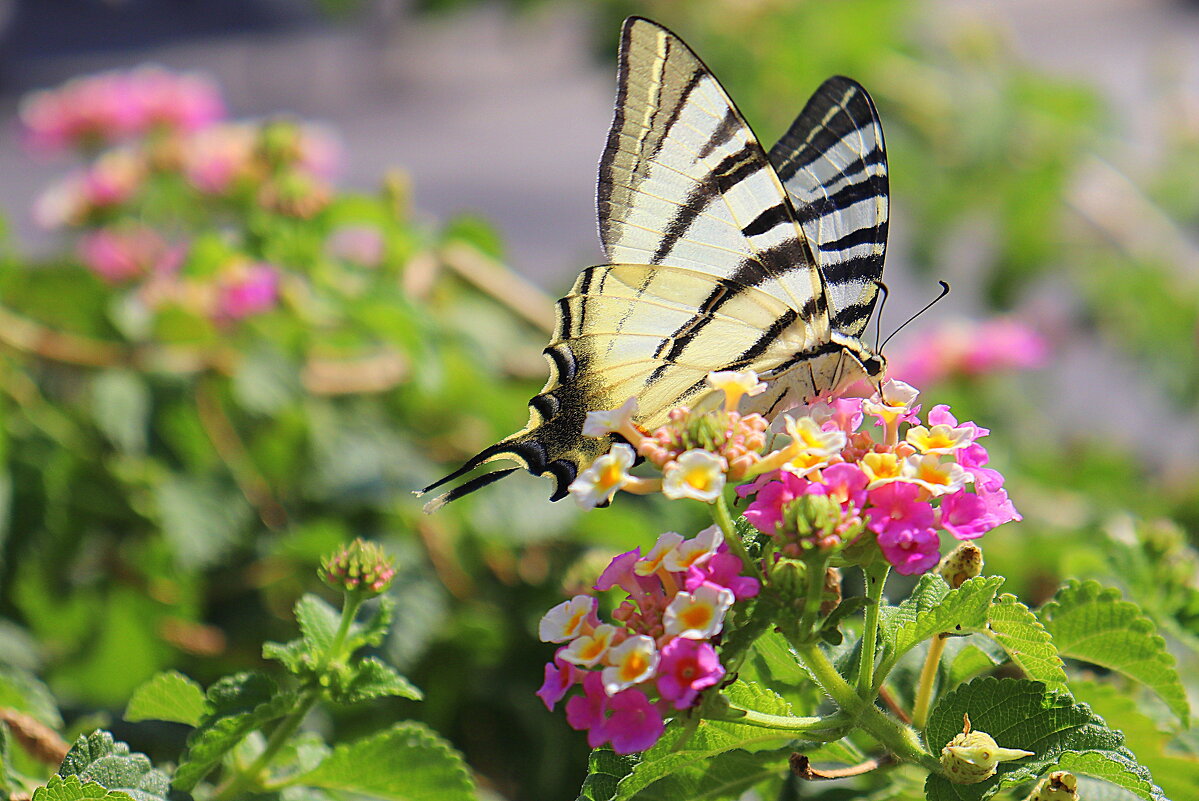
(1025, 714)
(711, 737)
(240, 704)
(1014, 626)
(167, 696)
(968, 662)
(1094, 624)
(605, 769)
(724, 776)
(96, 757)
(374, 679)
(933, 608)
(71, 789)
(318, 623)
(407, 762)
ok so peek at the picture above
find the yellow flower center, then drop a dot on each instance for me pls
(696, 616)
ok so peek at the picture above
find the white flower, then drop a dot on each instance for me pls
(588, 649)
(695, 474)
(808, 437)
(698, 615)
(893, 400)
(929, 472)
(941, 438)
(734, 384)
(694, 551)
(631, 662)
(598, 424)
(649, 564)
(599, 482)
(566, 620)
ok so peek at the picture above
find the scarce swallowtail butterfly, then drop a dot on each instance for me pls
(721, 257)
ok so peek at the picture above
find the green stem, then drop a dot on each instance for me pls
(720, 513)
(928, 676)
(876, 577)
(814, 594)
(814, 728)
(900, 740)
(238, 783)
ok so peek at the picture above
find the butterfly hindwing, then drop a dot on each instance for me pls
(833, 163)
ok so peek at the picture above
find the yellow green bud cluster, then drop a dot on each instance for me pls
(974, 756)
(1057, 786)
(738, 439)
(961, 564)
(360, 567)
(816, 522)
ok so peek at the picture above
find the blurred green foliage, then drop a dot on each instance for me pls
(169, 479)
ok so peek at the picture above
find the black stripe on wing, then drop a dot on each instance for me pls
(833, 163)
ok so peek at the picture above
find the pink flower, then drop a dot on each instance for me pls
(722, 570)
(999, 507)
(358, 244)
(910, 550)
(940, 415)
(766, 511)
(119, 255)
(247, 290)
(560, 676)
(972, 458)
(843, 413)
(686, 668)
(634, 725)
(845, 482)
(586, 711)
(964, 515)
(179, 102)
(894, 508)
(970, 349)
(215, 158)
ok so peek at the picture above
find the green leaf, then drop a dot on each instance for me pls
(374, 679)
(407, 762)
(1017, 630)
(710, 739)
(933, 608)
(605, 769)
(1024, 714)
(71, 789)
(121, 408)
(168, 696)
(318, 623)
(265, 381)
(1093, 624)
(201, 519)
(240, 704)
(968, 662)
(96, 757)
(724, 776)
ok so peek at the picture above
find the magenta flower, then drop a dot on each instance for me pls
(999, 507)
(895, 507)
(560, 676)
(972, 458)
(970, 349)
(844, 482)
(586, 712)
(723, 570)
(940, 415)
(247, 290)
(843, 413)
(766, 511)
(359, 244)
(965, 516)
(119, 255)
(634, 725)
(910, 550)
(686, 668)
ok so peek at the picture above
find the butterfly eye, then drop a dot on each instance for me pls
(873, 366)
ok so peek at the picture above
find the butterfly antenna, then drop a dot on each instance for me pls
(931, 303)
(878, 321)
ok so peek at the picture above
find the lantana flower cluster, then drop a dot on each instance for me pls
(919, 477)
(151, 134)
(657, 655)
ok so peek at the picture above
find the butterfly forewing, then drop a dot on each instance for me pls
(833, 163)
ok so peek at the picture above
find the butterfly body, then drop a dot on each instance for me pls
(722, 256)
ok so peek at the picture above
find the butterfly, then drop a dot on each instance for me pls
(721, 257)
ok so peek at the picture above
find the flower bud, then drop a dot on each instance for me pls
(1057, 786)
(360, 567)
(819, 522)
(961, 564)
(974, 756)
(790, 578)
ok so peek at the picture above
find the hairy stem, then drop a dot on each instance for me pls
(876, 577)
(720, 513)
(814, 728)
(928, 676)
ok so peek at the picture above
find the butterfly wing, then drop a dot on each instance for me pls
(833, 163)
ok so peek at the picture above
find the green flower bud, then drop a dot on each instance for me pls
(359, 567)
(974, 756)
(961, 564)
(790, 578)
(1057, 786)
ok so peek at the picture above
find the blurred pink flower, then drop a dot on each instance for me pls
(320, 150)
(216, 157)
(970, 349)
(110, 181)
(122, 254)
(358, 244)
(246, 290)
(96, 110)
